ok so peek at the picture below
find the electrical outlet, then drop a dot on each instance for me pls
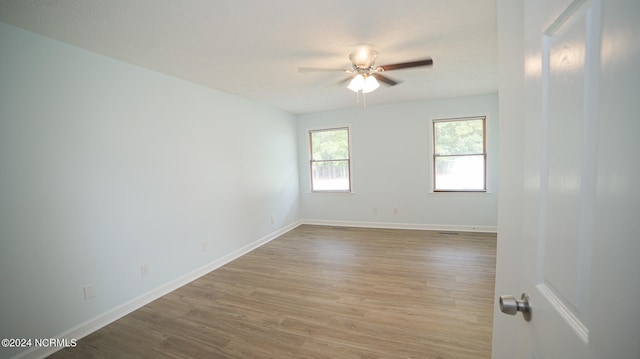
(89, 291)
(144, 269)
(205, 246)
(374, 210)
(395, 211)
(273, 219)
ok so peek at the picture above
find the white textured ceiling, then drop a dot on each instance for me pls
(253, 48)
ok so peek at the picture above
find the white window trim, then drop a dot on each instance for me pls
(310, 179)
(489, 159)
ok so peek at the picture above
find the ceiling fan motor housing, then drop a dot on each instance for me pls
(363, 59)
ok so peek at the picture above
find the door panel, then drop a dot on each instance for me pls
(569, 79)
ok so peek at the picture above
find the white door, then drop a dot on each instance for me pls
(580, 211)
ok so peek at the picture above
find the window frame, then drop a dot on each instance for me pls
(435, 155)
(347, 160)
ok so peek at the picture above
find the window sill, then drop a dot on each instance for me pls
(460, 193)
(330, 192)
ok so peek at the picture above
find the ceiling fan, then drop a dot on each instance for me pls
(365, 74)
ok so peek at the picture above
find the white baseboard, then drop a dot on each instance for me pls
(111, 316)
(391, 225)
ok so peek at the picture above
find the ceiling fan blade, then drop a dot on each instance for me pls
(319, 69)
(385, 80)
(405, 65)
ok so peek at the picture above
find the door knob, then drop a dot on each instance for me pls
(510, 305)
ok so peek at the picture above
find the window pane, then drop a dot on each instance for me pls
(459, 137)
(330, 176)
(460, 173)
(330, 145)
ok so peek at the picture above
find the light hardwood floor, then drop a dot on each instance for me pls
(323, 292)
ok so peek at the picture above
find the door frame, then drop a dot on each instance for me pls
(510, 17)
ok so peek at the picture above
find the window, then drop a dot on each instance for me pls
(330, 164)
(459, 155)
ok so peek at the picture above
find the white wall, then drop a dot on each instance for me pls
(105, 166)
(391, 161)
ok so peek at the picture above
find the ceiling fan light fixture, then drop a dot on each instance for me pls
(370, 84)
(356, 84)
(365, 84)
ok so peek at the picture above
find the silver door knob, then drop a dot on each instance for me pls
(510, 305)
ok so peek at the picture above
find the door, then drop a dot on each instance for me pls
(580, 203)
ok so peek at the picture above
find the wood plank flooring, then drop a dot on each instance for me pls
(323, 292)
